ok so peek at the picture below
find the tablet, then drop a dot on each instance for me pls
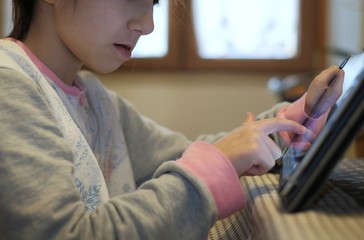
(305, 167)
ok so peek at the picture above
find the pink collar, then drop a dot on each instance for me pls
(75, 90)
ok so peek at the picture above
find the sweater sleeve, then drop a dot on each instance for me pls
(215, 170)
(39, 199)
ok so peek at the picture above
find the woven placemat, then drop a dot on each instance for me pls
(335, 215)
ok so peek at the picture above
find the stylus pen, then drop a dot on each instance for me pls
(342, 65)
(345, 61)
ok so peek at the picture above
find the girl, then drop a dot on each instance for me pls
(79, 162)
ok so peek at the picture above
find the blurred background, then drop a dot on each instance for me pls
(209, 62)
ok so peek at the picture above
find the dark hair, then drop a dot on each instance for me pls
(23, 11)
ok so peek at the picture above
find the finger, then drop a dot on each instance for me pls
(265, 159)
(337, 86)
(249, 117)
(325, 77)
(254, 171)
(275, 151)
(261, 169)
(274, 125)
(330, 81)
(322, 81)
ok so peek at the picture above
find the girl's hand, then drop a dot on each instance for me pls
(250, 149)
(319, 85)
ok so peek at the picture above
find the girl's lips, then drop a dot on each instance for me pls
(124, 50)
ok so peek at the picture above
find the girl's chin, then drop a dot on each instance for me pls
(106, 68)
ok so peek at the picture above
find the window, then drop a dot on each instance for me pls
(264, 35)
(260, 29)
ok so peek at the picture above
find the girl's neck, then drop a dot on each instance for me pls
(57, 61)
(44, 42)
(73, 90)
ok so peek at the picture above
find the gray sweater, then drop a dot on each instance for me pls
(39, 199)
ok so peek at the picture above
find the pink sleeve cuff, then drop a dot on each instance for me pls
(213, 168)
(295, 111)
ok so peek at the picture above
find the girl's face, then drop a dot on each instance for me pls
(101, 34)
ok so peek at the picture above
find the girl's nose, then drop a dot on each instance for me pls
(143, 24)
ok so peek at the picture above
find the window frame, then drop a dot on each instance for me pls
(183, 56)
